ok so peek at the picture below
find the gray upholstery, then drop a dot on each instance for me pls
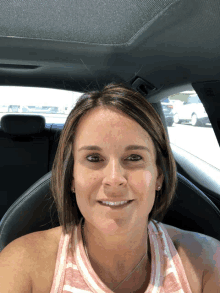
(35, 211)
(27, 151)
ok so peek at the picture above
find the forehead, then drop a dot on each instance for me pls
(106, 123)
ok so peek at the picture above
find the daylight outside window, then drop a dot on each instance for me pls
(53, 104)
(189, 127)
(188, 124)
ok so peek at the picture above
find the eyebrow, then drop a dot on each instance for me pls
(128, 148)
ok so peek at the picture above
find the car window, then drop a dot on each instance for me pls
(53, 104)
(166, 100)
(189, 127)
(193, 99)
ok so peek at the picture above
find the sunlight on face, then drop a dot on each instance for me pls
(111, 171)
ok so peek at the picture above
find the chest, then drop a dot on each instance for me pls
(44, 269)
(43, 278)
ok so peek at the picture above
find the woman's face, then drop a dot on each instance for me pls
(113, 174)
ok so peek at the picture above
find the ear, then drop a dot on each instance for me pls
(160, 176)
(72, 184)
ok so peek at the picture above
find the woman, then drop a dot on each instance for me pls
(113, 179)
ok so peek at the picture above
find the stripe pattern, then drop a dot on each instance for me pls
(74, 273)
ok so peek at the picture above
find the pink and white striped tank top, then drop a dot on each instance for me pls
(74, 273)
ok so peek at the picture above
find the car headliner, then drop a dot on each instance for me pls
(83, 45)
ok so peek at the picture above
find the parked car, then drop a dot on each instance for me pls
(3, 108)
(43, 109)
(167, 107)
(24, 109)
(191, 111)
(13, 108)
(53, 110)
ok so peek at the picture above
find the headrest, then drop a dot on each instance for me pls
(22, 124)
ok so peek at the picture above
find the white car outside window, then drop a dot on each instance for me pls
(192, 111)
(199, 140)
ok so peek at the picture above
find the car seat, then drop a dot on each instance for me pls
(35, 210)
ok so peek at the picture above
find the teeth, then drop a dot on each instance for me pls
(111, 203)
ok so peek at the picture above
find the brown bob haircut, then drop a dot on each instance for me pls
(137, 107)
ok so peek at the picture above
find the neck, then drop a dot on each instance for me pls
(114, 257)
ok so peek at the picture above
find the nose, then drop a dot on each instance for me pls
(114, 175)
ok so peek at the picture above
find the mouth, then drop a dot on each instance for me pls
(115, 204)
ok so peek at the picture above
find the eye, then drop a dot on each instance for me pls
(132, 156)
(96, 156)
(93, 156)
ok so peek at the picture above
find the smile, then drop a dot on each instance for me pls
(116, 203)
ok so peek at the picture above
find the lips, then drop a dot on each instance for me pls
(112, 200)
(115, 204)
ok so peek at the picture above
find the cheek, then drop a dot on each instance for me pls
(84, 182)
(142, 181)
(149, 178)
(83, 177)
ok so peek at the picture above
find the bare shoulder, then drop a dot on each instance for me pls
(16, 261)
(172, 231)
(200, 255)
(194, 243)
(211, 260)
(41, 241)
(43, 245)
(43, 248)
(46, 238)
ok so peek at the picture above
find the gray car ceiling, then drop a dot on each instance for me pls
(90, 43)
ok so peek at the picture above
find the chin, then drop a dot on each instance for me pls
(113, 226)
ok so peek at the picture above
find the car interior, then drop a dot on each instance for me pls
(159, 48)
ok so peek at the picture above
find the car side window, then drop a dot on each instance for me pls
(189, 126)
(55, 105)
